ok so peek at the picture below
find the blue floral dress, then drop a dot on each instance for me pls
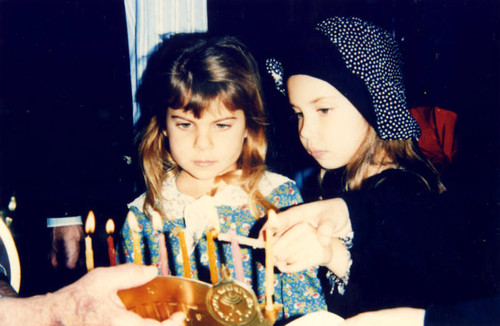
(299, 293)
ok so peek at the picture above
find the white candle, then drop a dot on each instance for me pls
(162, 246)
(136, 240)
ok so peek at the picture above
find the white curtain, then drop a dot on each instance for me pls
(150, 21)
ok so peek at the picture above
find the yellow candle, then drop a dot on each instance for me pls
(185, 256)
(136, 239)
(89, 228)
(269, 264)
(212, 258)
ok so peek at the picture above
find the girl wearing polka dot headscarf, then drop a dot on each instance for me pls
(376, 230)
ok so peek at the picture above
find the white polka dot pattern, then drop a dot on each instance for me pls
(372, 54)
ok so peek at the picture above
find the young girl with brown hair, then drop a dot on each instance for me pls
(203, 150)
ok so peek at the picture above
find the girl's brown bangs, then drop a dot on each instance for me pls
(180, 93)
(200, 100)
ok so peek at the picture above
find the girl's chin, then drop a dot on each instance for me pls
(330, 165)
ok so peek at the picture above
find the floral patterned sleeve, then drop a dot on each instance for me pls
(286, 195)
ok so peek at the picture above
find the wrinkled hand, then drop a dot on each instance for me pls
(388, 317)
(69, 237)
(93, 300)
(90, 301)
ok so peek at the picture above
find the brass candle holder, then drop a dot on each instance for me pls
(228, 302)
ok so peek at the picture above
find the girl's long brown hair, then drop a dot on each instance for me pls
(187, 73)
(402, 154)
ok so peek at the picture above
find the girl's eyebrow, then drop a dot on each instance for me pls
(215, 121)
(225, 118)
(179, 117)
(319, 99)
(314, 101)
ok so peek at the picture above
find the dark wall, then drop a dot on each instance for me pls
(65, 119)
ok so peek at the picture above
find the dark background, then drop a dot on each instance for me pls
(65, 102)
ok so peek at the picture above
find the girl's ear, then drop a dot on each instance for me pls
(164, 132)
(246, 134)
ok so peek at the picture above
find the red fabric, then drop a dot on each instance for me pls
(438, 140)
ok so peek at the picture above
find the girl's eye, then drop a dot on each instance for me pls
(184, 125)
(324, 111)
(222, 126)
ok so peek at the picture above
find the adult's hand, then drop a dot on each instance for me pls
(92, 300)
(66, 238)
(388, 317)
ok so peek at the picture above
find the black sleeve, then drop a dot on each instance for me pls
(476, 312)
(402, 253)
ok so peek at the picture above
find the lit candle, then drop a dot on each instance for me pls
(184, 253)
(12, 204)
(89, 228)
(235, 250)
(136, 239)
(162, 246)
(271, 215)
(212, 258)
(110, 228)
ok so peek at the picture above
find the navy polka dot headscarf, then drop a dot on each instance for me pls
(362, 61)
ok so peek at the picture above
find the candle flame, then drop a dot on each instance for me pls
(132, 221)
(90, 223)
(12, 204)
(110, 226)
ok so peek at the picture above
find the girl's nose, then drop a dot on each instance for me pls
(203, 140)
(305, 128)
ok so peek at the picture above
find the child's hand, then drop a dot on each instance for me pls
(299, 248)
(329, 217)
(307, 235)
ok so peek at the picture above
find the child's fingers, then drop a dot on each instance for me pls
(325, 231)
(283, 221)
(286, 244)
(299, 249)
